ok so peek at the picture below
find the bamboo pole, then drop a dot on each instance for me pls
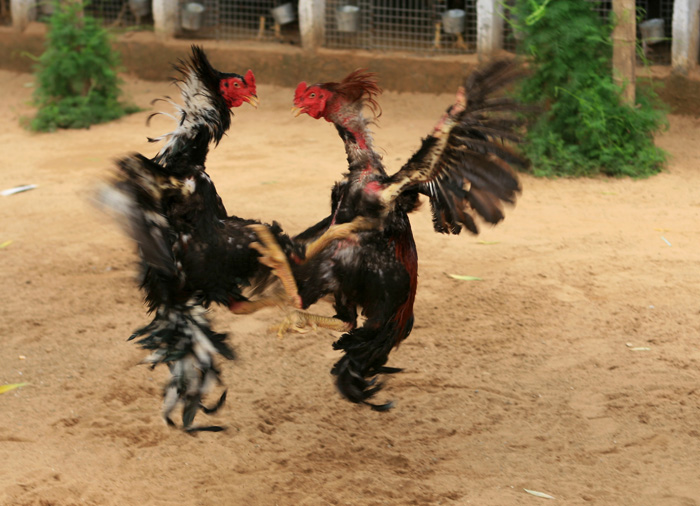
(624, 46)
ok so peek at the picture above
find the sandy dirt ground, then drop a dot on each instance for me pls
(570, 368)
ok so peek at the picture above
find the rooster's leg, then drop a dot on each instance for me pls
(278, 31)
(272, 255)
(335, 232)
(460, 42)
(261, 28)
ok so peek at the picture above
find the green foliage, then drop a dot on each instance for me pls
(77, 81)
(582, 127)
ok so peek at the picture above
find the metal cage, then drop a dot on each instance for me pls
(117, 13)
(420, 26)
(242, 20)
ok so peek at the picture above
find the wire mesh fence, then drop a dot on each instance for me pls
(5, 14)
(117, 13)
(418, 26)
(423, 26)
(260, 20)
(655, 50)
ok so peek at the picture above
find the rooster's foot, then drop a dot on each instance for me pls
(302, 322)
(251, 306)
(272, 256)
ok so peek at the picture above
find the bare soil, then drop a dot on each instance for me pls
(570, 368)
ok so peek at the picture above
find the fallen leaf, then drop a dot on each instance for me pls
(488, 242)
(17, 189)
(538, 494)
(464, 278)
(7, 388)
(5, 244)
(632, 347)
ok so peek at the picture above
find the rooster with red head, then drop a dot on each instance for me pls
(462, 167)
(192, 252)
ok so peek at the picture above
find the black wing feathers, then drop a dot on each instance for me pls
(140, 183)
(474, 176)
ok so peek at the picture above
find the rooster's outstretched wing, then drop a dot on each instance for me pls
(464, 165)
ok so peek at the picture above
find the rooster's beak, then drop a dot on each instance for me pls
(297, 111)
(252, 100)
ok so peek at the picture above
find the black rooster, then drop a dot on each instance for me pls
(192, 252)
(462, 166)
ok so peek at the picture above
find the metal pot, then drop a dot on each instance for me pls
(652, 30)
(453, 21)
(283, 14)
(192, 16)
(347, 17)
(140, 8)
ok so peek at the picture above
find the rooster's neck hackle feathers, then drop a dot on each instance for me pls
(356, 91)
(203, 116)
(359, 87)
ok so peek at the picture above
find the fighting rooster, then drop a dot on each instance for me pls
(192, 252)
(462, 167)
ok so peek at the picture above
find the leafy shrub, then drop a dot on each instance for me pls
(77, 80)
(582, 127)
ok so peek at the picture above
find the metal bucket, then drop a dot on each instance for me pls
(140, 8)
(192, 16)
(347, 17)
(453, 21)
(652, 30)
(283, 14)
(47, 8)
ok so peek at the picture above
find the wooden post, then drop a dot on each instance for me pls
(624, 47)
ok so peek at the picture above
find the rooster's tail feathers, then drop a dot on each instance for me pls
(181, 336)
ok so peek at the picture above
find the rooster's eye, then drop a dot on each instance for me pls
(313, 95)
(237, 85)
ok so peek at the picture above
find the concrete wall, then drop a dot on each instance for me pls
(147, 56)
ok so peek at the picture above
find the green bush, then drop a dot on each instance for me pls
(77, 75)
(582, 128)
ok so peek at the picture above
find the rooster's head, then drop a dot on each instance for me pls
(237, 89)
(327, 100)
(204, 81)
